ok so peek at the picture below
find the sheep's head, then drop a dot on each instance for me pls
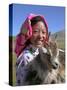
(54, 53)
(50, 54)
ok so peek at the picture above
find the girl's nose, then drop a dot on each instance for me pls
(40, 34)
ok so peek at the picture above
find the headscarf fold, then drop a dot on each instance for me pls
(26, 33)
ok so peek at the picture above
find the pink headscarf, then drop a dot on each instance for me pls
(26, 33)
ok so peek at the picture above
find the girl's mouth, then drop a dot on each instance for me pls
(39, 41)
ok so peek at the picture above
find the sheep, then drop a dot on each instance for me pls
(46, 68)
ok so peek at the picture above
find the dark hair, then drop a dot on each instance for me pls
(36, 19)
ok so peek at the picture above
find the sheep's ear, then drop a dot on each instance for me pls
(57, 52)
(50, 37)
(55, 36)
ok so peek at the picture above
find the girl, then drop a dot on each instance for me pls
(33, 35)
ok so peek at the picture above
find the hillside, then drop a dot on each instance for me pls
(60, 35)
(60, 38)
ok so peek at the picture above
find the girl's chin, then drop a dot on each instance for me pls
(39, 45)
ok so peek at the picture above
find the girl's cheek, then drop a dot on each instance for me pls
(44, 36)
(35, 35)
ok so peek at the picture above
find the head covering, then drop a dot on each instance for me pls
(26, 33)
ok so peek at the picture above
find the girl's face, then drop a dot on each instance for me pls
(38, 34)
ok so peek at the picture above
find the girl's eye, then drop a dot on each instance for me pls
(35, 31)
(44, 32)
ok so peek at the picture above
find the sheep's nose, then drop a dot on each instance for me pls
(53, 82)
(55, 65)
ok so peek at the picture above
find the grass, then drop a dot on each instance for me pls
(61, 44)
(14, 70)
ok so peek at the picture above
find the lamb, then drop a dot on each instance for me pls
(46, 68)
